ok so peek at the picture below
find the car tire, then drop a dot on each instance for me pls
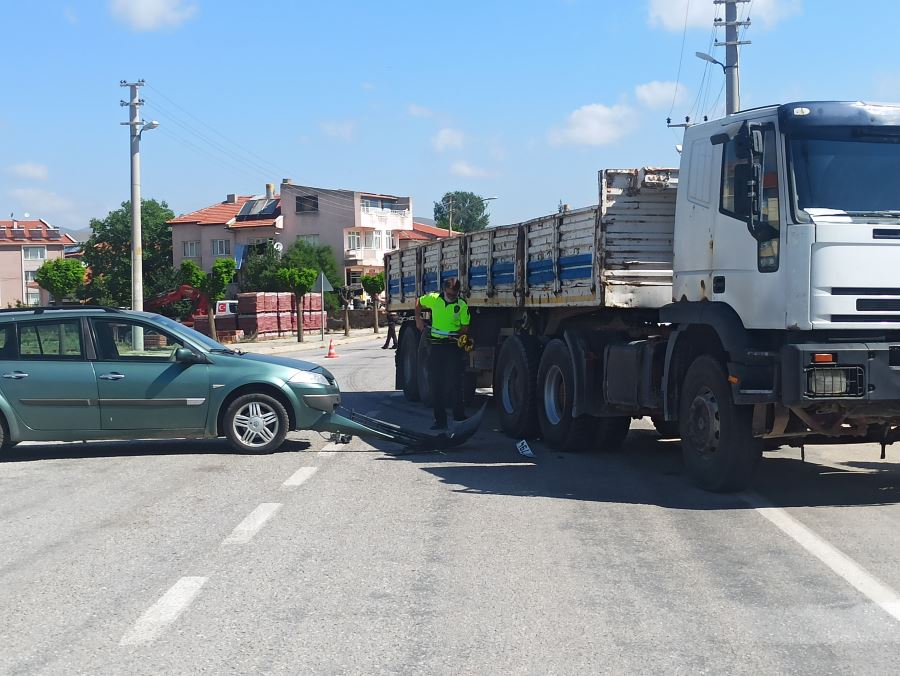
(424, 377)
(256, 423)
(5, 442)
(408, 363)
(717, 443)
(515, 385)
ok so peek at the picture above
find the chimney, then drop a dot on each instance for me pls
(270, 191)
(286, 180)
(231, 198)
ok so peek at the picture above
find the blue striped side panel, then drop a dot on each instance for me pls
(409, 284)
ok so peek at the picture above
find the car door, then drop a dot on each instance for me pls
(46, 377)
(140, 385)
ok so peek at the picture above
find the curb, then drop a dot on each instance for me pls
(271, 347)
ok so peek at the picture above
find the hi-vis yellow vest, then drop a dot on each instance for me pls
(446, 318)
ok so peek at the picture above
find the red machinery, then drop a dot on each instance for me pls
(199, 301)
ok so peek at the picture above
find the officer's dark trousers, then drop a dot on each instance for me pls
(445, 368)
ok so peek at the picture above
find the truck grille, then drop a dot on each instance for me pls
(876, 304)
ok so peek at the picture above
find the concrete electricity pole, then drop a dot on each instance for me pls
(137, 126)
(732, 56)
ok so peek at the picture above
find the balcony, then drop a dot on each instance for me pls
(385, 219)
(363, 257)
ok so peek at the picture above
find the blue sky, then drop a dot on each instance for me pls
(520, 100)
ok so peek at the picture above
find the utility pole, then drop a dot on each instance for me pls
(137, 126)
(732, 55)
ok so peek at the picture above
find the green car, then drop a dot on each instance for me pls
(88, 372)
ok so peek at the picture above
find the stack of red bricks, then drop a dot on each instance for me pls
(270, 315)
(226, 327)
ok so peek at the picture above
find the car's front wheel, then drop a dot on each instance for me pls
(256, 423)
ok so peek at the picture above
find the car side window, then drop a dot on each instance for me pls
(127, 340)
(51, 340)
(7, 342)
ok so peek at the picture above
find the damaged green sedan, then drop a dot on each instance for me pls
(90, 372)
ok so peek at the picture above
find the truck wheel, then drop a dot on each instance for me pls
(515, 382)
(556, 395)
(424, 381)
(256, 423)
(720, 453)
(408, 363)
(611, 433)
(666, 429)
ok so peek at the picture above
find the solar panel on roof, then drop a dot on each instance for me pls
(18, 233)
(53, 234)
(35, 233)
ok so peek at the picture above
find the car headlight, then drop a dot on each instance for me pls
(308, 378)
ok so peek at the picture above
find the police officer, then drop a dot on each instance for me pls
(449, 320)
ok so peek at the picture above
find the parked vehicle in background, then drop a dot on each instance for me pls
(87, 372)
(226, 307)
(749, 296)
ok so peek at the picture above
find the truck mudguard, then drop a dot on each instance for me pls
(719, 316)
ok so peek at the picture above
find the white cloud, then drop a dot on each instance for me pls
(595, 125)
(149, 15)
(659, 94)
(34, 170)
(343, 130)
(670, 14)
(368, 86)
(419, 111)
(448, 138)
(70, 15)
(462, 168)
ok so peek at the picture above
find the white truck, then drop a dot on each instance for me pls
(752, 296)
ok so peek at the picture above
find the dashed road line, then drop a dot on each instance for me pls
(250, 526)
(164, 612)
(857, 576)
(300, 476)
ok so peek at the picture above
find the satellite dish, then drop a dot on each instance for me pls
(26, 215)
(279, 247)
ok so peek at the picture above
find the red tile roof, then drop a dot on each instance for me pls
(412, 234)
(217, 214)
(35, 231)
(435, 232)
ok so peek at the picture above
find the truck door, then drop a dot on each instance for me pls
(747, 267)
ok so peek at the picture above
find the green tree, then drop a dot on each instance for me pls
(298, 281)
(301, 254)
(107, 253)
(191, 274)
(61, 277)
(259, 270)
(213, 287)
(374, 286)
(468, 211)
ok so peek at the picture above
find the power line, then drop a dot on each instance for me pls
(687, 10)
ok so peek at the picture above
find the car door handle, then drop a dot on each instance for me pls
(112, 376)
(15, 375)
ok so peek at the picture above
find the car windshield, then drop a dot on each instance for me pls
(196, 336)
(852, 169)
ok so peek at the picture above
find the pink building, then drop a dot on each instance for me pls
(24, 246)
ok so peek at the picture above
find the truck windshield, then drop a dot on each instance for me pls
(852, 169)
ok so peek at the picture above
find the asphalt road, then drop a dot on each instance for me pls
(181, 557)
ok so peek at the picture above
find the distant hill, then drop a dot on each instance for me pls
(422, 219)
(78, 235)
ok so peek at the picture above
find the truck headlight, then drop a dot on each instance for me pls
(835, 381)
(308, 378)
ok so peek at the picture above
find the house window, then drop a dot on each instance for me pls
(353, 239)
(34, 253)
(395, 239)
(353, 277)
(309, 239)
(305, 203)
(378, 240)
(370, 240)
(260, 240)
(191, 249)
(32, 297)
(221, 247)
(29, 276)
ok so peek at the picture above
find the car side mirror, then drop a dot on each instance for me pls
(185, 356)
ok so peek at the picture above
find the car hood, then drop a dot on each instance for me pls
(298, 364)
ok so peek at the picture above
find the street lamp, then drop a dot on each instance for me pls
(706, 57)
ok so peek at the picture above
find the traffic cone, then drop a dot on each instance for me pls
(331, 353)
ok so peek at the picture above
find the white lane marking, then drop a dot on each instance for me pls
(300, 476)
(250, 526)
(858, 577)
(165, 611)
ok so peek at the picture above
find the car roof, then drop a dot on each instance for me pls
(8, 315)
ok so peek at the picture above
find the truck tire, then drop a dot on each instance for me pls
(515, 383)
(611, 433)
(424, 349)
(720, 453)
(666, 429)
(408, 363)
(555, 397)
